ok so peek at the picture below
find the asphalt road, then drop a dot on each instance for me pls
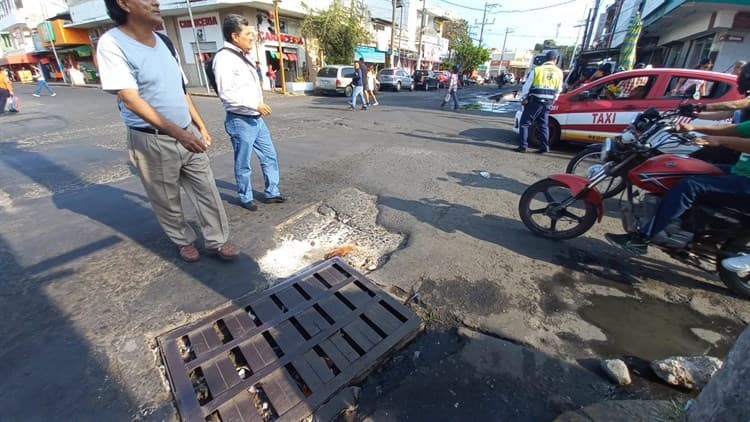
(89, 279)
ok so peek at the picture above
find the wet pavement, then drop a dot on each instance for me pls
(90, 280)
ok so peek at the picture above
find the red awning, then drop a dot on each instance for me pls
(22, 58)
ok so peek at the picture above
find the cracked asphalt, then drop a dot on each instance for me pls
(89, 279)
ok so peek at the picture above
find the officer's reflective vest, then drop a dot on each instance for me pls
(547, 81)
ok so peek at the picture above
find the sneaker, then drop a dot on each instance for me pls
(36, 95)
(376, 103)
(53, 94)
(737, 264)
(634, 243)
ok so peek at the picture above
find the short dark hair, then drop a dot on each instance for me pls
(115, 12)
(233, 24)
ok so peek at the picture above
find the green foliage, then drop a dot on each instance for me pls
(457, 32)
(546, 44)
(338, 29)
(470, 56)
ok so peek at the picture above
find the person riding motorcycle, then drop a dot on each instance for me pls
(731, 189)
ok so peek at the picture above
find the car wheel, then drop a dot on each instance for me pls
(348, 91)
(398, 86)
(411, 87)
(554, 134)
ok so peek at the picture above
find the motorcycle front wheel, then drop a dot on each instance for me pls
(737, 284)
(582, 162)
(540, 212)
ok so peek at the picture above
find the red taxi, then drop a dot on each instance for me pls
(603, 108)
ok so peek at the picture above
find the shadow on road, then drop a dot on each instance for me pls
(44, 356)
(595, 259)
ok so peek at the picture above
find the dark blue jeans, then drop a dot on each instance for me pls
(728, 190)
(535, 111)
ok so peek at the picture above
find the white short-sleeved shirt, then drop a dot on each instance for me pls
(125, 63)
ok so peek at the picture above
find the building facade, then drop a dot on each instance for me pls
(19, 43)
(688, 31)
(197, 41)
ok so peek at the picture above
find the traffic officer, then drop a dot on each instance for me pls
(540, 90)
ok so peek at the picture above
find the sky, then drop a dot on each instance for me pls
(527, 27)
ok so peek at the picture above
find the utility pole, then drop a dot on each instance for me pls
(277, 28)
(51, 33)
(199, 62)
(400, 30)
(505, 38)
(487, 6)
(419, 36)
(393, 33)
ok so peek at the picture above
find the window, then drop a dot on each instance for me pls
(327, 72)
(629, 88)
(347, 72)
(679, 87)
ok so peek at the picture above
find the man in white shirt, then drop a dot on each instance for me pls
(241, 94)
(166, 136)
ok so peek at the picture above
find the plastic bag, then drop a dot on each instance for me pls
(13, 104)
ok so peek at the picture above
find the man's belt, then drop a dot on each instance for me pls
(251, 116)
(150, 130)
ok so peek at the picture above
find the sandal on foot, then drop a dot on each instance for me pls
(226, 252)
(189, 253)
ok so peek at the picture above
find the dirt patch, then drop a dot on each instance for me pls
(482, 297)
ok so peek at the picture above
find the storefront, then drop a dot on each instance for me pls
(292, 54)
(209, 41)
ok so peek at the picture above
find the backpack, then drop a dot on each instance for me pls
(209, 66)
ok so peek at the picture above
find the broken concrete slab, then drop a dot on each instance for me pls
(624, 411)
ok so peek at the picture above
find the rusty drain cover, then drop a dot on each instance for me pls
(280, 354)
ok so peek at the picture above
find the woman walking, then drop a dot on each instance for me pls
(6, 91)
(371, 81)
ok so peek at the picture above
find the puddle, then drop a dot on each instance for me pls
(651, 329)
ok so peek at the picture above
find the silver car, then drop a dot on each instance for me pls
(335, 79)
(395, 78)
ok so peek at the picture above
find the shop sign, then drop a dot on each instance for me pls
(207, 21)
(285, 38)
(732, 38)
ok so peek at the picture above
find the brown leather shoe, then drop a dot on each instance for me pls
(189, 253)
(226, 252)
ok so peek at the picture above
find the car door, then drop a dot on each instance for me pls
(604, 108)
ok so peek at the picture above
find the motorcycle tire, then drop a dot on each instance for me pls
(580, 163)
(738, 285)
(543, 187)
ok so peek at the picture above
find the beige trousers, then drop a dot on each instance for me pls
(165, 166)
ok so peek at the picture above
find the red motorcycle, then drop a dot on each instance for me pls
(564, 206)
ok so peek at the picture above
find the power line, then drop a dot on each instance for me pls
(510, 11)
(537, 8)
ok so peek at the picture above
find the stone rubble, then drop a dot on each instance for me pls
(689, 372)
(617, 371)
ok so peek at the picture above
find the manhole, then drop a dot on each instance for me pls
(280, 354)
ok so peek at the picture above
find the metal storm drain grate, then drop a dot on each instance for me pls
(280, 354)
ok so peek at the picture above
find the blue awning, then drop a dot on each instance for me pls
(370, 54)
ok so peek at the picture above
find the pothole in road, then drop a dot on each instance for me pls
(344, 225)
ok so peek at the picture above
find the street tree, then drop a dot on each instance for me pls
(470, 56)
(456, 32)
(338, 30)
